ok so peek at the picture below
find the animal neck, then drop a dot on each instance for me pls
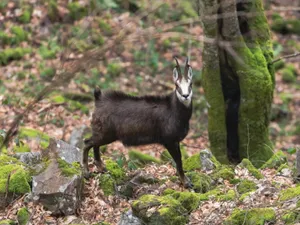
(181, 108)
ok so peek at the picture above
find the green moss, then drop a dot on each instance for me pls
(19, 178)
(4, 38)
(255, 216)
(225, 172)
(282, 166)
(289, 193)
(29, 133)
(26, 15)
(290, 218)
(235, 181)
(192, 163)
(246, 186)
(52, 10)
(19, 35)
(21, 148)
(202, 182)
(168, 211)
(190, 201)
(23, 216)
(58, 99)
(275, 161)
(48, 73)
(114, 69)
(229, 196)
(47, 53)
(107, 184)
(288, 76)
(252, 170)
(218, 194)
(7, 160)
(245, 195)
(115, 170)
(141, 159)
(279, 65)
(10, 54)
(76, 10)
(105, 27)
(7, 222)
(68, 169)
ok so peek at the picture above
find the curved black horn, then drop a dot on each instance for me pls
(187, 66)
(178, 67)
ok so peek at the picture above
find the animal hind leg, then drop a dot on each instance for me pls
(174, 150)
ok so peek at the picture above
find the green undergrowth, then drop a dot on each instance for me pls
(140, 159)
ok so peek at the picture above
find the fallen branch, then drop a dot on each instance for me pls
(286, 57)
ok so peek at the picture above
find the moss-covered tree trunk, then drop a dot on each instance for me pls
(238, 79)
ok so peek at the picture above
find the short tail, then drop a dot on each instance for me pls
(97, 93)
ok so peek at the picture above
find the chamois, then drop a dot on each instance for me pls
(143, 120)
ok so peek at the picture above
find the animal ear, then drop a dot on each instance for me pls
(190, 73)
(175, 75)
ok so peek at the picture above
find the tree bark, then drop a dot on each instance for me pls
(238, 79)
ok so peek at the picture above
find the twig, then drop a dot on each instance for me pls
(286, 57)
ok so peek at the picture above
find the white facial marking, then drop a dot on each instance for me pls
(186, 94)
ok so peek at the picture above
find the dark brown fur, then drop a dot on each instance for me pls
(138, 121)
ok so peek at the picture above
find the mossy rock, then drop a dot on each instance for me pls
(225, 172)
(115, 176)
(23, 216)
(289, 193)
(19, 178)
(283, 166)
(107, 184)
(202, 182)
(246, 186)
(52, 10)
(29, 133)
(275, 161)
(160, 210)
(67, 169)
(7, 222)
(21, 148)
(190, 201)
(140, 159)
(252, 170)
(7, 160)
(192, 163)
(255, 216)
(218, 194)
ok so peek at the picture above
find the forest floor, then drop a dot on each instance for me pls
(46, 33)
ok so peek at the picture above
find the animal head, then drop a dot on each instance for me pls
(183, 83)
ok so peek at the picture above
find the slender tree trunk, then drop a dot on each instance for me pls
(238, 79)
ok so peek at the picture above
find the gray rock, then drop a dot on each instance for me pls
(129, 219)
(64, 150)
(205, 158)
(77, 136)
(59, 192)
(29, 158)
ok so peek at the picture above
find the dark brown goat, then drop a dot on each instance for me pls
(143, 120)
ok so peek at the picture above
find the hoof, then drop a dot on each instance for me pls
(86, 174)
(100, 167)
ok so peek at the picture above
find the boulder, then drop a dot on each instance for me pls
(129, 219)
(60, 185)
(78, 135)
